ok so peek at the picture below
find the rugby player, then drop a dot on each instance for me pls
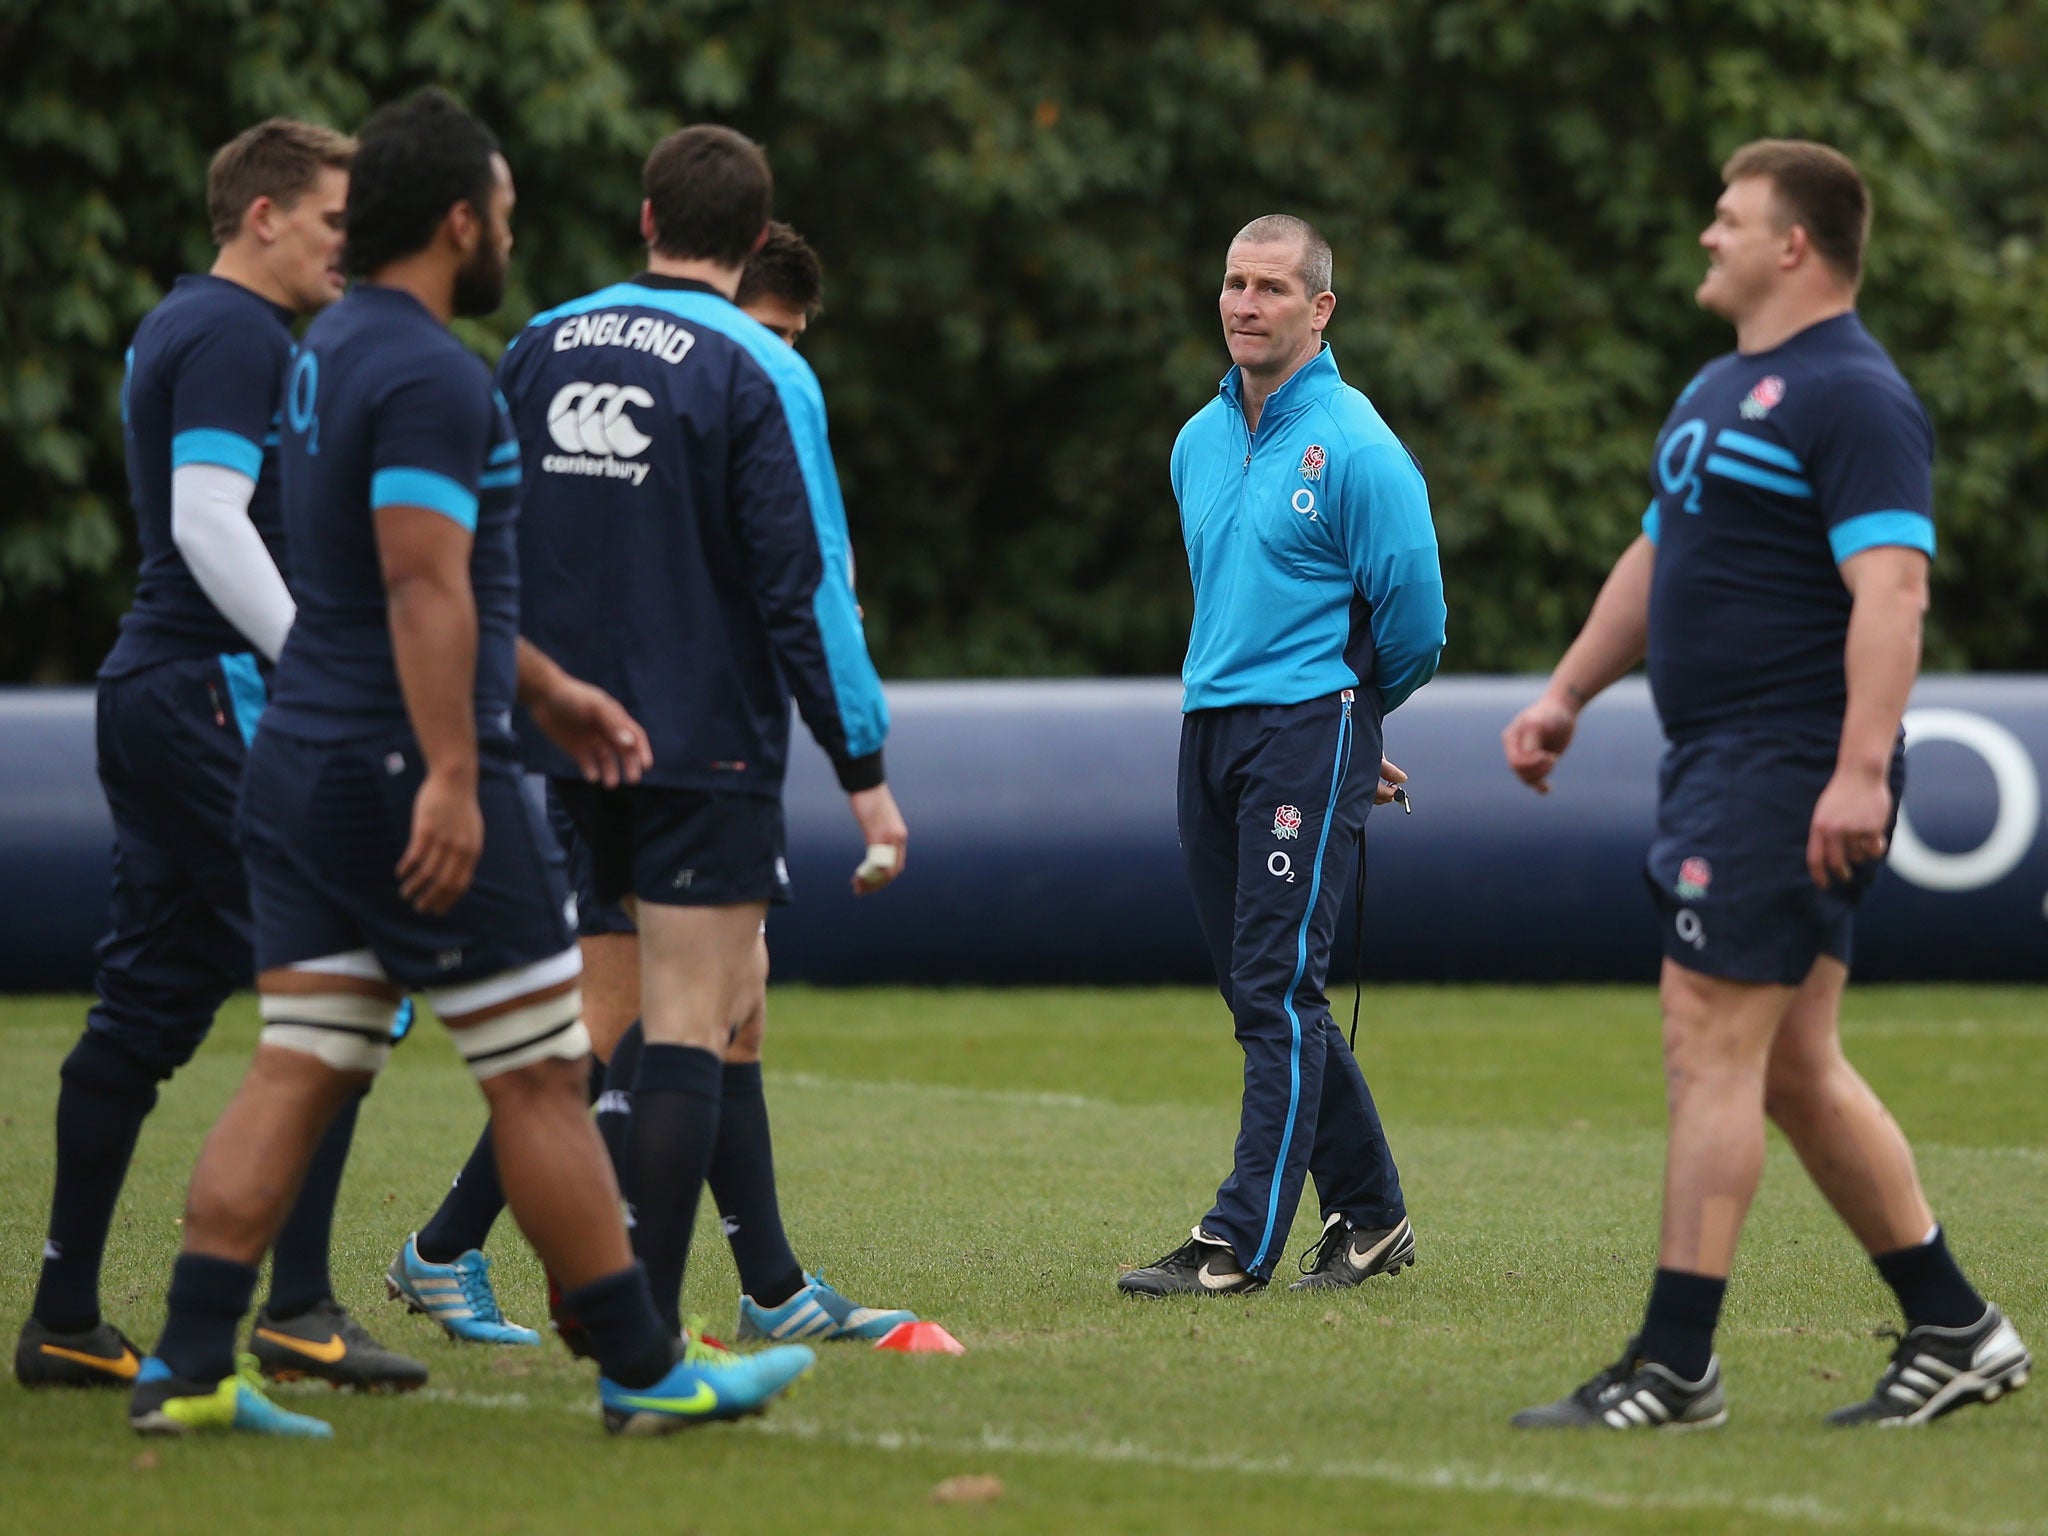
(782, 287)
(388, 844)
(179, 698)
(1777, 588)
(723, 586)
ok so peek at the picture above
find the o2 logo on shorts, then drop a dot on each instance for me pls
(1690, 929)
(1280, 866)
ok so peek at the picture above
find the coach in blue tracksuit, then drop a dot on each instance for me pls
(1318, 609)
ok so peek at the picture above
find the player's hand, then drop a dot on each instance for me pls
(888, 839)
(447, 839)
(593, 727)
(1848, 825)
(1390, 779)
(1536, 738)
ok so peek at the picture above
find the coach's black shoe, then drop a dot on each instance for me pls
(1634, 1393)
(1201, 1266)
(1348, 1254)
(326, 1344)
(1938, 1370)
(101, 1356)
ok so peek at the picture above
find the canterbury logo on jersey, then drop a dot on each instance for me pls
(611, 328)
(589, 423)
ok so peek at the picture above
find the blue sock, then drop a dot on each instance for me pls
(103, 1098)
(625, 1334)
(1678, 1329)
(209, 1297)
(742, 1179)
(299, 1277)
(1931, 1288)
(676, 1095)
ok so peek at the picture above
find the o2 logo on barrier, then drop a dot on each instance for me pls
(2018, 786)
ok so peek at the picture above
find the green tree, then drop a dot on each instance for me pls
(1023, 212)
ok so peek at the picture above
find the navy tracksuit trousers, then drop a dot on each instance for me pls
(1273, 800)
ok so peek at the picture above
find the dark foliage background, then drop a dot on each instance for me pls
(1023, 210)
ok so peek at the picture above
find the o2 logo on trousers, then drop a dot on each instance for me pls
(1280, 866)
(1690, 929)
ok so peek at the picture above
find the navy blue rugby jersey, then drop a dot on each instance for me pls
(1772, 469)
(683, 542)
(384, 407)
(202, 386)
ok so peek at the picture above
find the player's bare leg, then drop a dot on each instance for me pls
(1717, 1044)
(1853, 1149)
(695, 964)
(611, 988)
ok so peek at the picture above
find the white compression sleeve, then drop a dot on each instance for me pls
(227, 557)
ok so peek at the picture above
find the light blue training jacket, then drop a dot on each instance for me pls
(1313, 556)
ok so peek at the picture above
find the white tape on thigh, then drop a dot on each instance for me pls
(475, 996)
(359, 963)
(348, 1031)
(520, 1037)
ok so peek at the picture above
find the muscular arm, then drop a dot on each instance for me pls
(1888, 586)
(425, 560)
(1613, 639)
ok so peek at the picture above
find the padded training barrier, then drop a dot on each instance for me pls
(1043, 851)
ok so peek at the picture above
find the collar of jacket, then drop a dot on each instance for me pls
(1306, 385)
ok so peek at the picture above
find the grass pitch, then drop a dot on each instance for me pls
(990, 1159)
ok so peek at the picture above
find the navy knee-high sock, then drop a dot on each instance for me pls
(615, 1102)
(675, 1125)
(626, 1335)
(208, 1299)
(742, 1179)
(470, 1208)
(299, 1277)
(104, 1096)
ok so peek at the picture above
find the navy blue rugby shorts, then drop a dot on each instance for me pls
(594, 918)
(323, 826)
(1728, 867)
(677, 847)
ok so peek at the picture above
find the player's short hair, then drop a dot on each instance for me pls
(1817, 188)
(280, 158)
(710, 190)
(415, 159)
(785, 268)
(1317, 266)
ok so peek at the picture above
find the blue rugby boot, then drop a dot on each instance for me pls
(163, 1404)
(706, 1383)
(458, 1296)
(816, 1312)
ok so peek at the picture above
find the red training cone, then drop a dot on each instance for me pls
(921, 1339)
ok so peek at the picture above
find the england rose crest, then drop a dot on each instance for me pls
(1287, 822)
(1694, 876)
(1768, 392)
(1312, 462)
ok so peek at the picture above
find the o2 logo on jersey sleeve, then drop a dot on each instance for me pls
(301, 396)
(1678, 462)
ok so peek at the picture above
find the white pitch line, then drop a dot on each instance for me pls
(1441, 1477)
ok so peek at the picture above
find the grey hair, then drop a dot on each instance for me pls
(1274, 228)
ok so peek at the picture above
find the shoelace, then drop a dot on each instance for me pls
(1318, 1253)
(477, 1292)
(699, 1348)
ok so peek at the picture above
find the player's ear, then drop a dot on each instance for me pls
(647, 220)
(759, 240)
(1325, 306)
(464, 227)
(260, 219)
(1798, 246)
